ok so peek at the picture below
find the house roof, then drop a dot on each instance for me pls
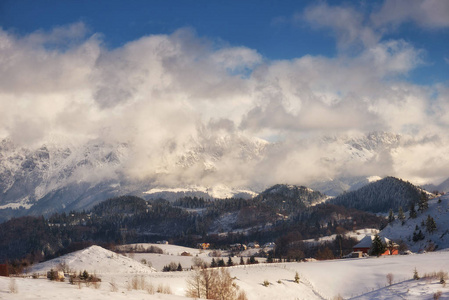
(368, 240)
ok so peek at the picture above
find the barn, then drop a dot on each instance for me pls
(365, 245)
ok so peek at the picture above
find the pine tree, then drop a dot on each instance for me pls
(213, 263)
(423, 202)
(230, 263)
(179, 267)
(221, 262)
(412, 211)
(415, 274)
(431, 226)
(377, 247)
(401, 215)
(241, 260)
(390, 216)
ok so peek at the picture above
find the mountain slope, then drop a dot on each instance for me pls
(381, 196)
(439, 239)
(290, 197)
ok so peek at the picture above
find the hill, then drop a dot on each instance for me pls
(345, 278)
(94, 259)
(381, 196)
(409, 230)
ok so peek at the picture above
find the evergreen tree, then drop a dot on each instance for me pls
(431, 226)
(415, 274)
(241, 260)
(390, 216)
(412, 211)
(418, 235)
(252, 260)
(230, 263)
(221, 262)
(377, 247)
(179, 267)
(213, 263)
(401, 215)
(423, 202)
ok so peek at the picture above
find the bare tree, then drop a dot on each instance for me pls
(212, 284)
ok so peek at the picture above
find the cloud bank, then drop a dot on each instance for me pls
(194, 112)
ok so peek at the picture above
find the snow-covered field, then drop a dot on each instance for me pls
(364, 278)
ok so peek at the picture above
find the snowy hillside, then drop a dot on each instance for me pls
(348, 278)
(381, 196)
(338, 186)
(439, 211)
(220, 191)
(92, 257)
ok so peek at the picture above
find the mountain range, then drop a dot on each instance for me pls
(58, 177)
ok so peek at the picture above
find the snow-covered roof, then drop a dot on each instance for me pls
(368, 240)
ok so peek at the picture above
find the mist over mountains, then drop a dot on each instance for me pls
(59, 177)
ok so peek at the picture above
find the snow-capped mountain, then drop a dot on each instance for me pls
(442, 187)
(61, 176)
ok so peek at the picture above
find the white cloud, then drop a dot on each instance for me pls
(425, 13)
(183, 103)
(347, 24)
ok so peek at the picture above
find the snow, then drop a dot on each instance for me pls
(358, 234)
(219, 191)
(439, 212)
(87, 259)
(363, 278)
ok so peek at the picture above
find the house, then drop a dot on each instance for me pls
(365, 244)
(203, 246)
(4, 270)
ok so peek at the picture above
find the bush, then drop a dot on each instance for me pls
(415, 275)
(266, 283)
(13, 286)
(163, 289)
(297, 277)
(171, 267)
(390, 278)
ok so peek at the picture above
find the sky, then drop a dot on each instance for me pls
(173, 77)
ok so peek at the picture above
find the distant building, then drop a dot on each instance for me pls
(365, 244)
(203, 245)
(253, 245)
(4, 270)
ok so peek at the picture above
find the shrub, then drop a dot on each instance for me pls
(390, 278)
(297, 277)
(415, 275)
(163, 289)
(13, 286)
(266, 283)
(114, 287)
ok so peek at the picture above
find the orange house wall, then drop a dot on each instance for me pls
(387, 252)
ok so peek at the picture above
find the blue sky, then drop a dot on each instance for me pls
(273, 28)
(169, 76)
